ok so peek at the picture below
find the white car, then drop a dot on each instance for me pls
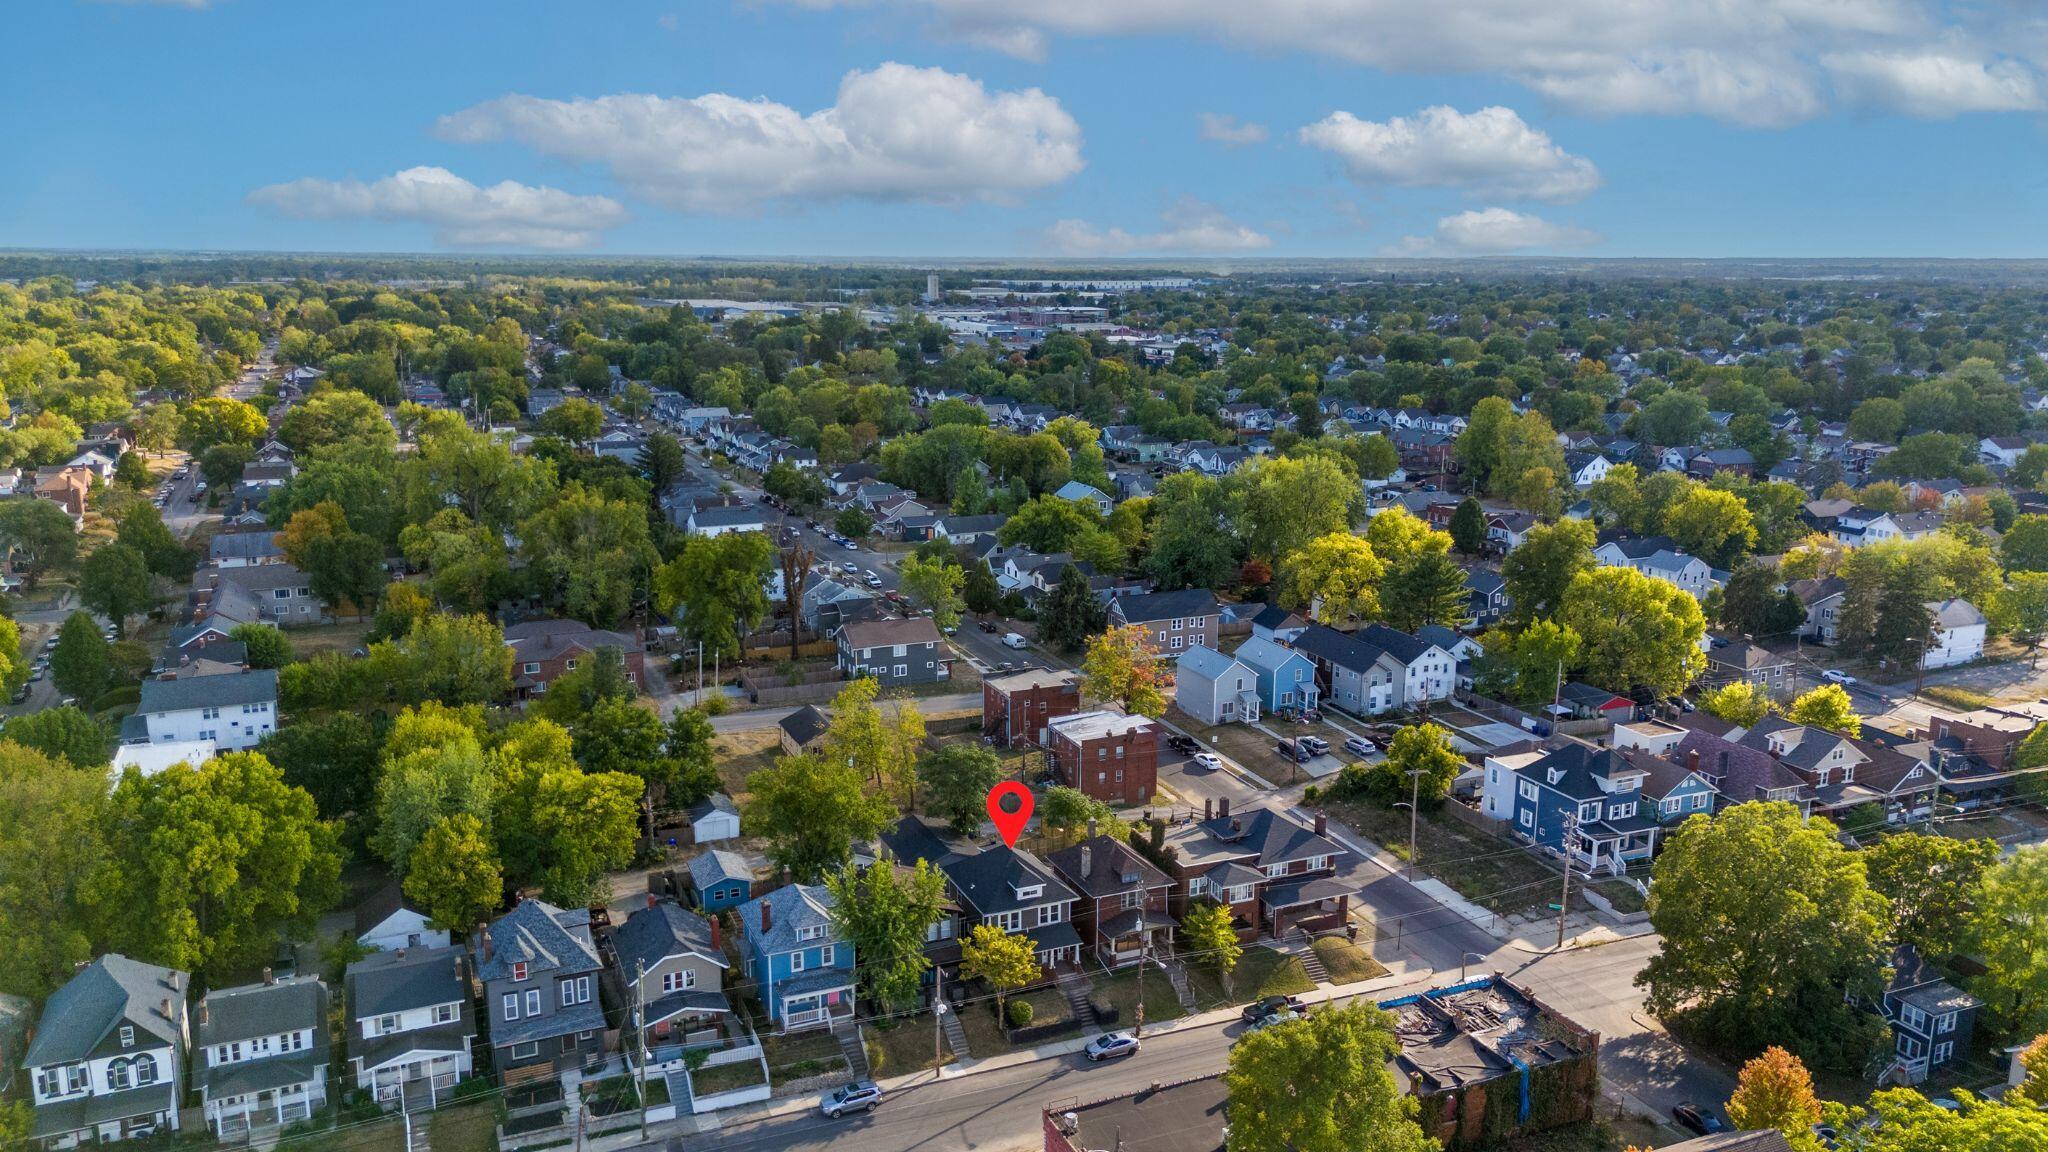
(1837, 676)
(1109, 1046)
(1207, 760)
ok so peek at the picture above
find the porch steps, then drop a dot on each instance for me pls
(956, 1036)
(1311, 963)
(1076, 990)
(1177, 975)
(856, 1054)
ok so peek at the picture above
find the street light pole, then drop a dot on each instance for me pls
(1414, 808)
(1564, 903)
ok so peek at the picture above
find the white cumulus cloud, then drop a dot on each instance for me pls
(1934, 84)
(1494, 232)
(1229, 130)
(1189, 227)
(1491, 152)
(463, 215)
(1752, 62)
(896, 133)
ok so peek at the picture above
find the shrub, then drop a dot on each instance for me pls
(1019, 1013)
(1309, 794)
(716, 705)
(1105, 1010)
(114, 698)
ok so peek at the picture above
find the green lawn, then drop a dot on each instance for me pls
(800, 1055)
(904, 1048)
(1346, 961)
(985, 1036)
(1621, 894)
(1121, 990)
(464, 1128)
(713, 1079)
(386, 1135)
(1260, 972)
(1491, 871)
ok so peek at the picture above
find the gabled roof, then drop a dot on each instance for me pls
(1273, 618)
(1205, 662)
(731, 516)
(651, 935)
(228, 690)
(1263, 654)
(386, 982)
(1112, 867)
(1396, 643)
(1327, 645)
(789, 907)
(541, 936)
(1955, 613)
(80, 1016)
(1265, 834)
(988, 881)
(1143, 607)
(886, 633)
(717, 866)
(254, 1010)
(1811, 592)
(805, 724)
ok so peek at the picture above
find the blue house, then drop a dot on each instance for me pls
(1932, 1020)
(795, 957)
(1602, 789)
(1287, 679)
(722, 880)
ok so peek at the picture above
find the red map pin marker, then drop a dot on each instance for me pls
(1010, 824)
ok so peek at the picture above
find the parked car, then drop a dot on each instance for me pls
(1837, 676)
(1260, 1009)
(1360, 745)
(1015, 640)
(858, 1096)
(1294, 750)
(874, 581)
(21, 694)
(1315, 745)
(1109, 1046)
(1185, 745)
(1697, 1120)
(1207, 760)
(1272, 1018)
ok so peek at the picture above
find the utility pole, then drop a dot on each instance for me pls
(1414, 807)
(700, 673)
(938, 1015)
(640, 1041)
(1138, 1031)
(1564, 902)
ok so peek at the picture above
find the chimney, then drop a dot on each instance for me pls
(651, 900)
(767, 917)
(1091, 834)
(1208, 808)
(1223, 806)
(1322, 823)
(401, 954)
(269, 977)
(1237, 827)
(1087, 859)
(202, 1013)
(1692, 760)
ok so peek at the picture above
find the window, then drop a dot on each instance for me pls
(533, 1001)
(678, 981)
(519, 970)
(1910, 1047)
(1051, 913)
(898, 651)
(796, 960)
(127, 1036)
(145, 1069)
(1179, 640)
(1528, 789)
(526, 1051)
(1946, 1023)
(1008, 921)
(444, 1014)
(209, 713)
(1178, 624)
(571, 665)
(1700, 800)
(810, 932)
(117, 1075)
(902, 670)
(1589, 811)
(1133, 900)
(281, 594)
(511, 1005)
(1621, 811)
(1274, 871)
(1527, 819)
(76, 1078)
(827, 955)
(941, 929)
(1943, 1051)
(388, 1024)
(530, 669)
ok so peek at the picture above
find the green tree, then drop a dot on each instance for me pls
(1321, 1084)
(1282, 504)
(956, 780)
(1427, 590)
(267, 647)
(2008, 931)
(1829, 707)
(1070, 810)
(935, 585)
(1739, 702)
(717, 588)
(1775, 1090)
(885, 912)
(1755, 603)
(1527, 666)
(14, 663)
(1746, 970)
(453, 875)
(221, 465)
(456, 660)
(215, 420)
(1537, 573)
(2021, 612)
(347, 571)
(1931, 882)
(853, 523)
(575, 419)
(1420, 762)
(208, 862)
(418, 788)
(81, 665)
(114, 581)
(133, 471)
(2025, 545)
(1468, 527)
(52, 850)
(980, 591)
(1638, 631)
(1210, 938)
(335, 758)
(335, 416)
(662, 461)
(142, 528)
(1193, 545)
(589, 553)
(37, 537)
(1123, 666)
(1715, 526)
(811, 810)
(66, 733)
(1069, 614)
(2033, 1089)
(686, 743)
(1336, 577)
(1007, 962)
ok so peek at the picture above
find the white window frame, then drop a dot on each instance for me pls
(533, 1001)
(510, 1005)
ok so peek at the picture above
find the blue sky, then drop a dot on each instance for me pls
(953, 128)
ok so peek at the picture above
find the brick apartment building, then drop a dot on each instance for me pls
(1015, 709)
(1109, 756)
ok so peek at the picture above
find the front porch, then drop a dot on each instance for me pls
(415, 1084)
(1129, 936)
(1314, 905)
(238, 1117)
(819, 1000)
(1606, 849)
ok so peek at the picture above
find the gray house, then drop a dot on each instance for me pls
(672, 973)
(261, 1058)
(540, 972)
(1351, 673)
(108, 1058)
(827, 604)
(410, 1025)
(893, 651)
(1214, 688)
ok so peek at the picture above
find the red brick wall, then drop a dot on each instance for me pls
(1079, 766)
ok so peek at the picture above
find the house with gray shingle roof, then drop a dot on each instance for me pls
(793, 953)
(107, 1062)
(410, 1025)
(1215, 688)
(539, 968)
(261, 1055)
(672, 969)
(721, 879)
(234, 710)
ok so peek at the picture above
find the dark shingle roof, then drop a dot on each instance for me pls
(222, 691)
(805, 724)
(1112, 867)
(1270, 836)
(81, 1014)
(541, 936)
(1147, 606)
(988, 880)
(254, 1010)
(651, 935)
(386, 982)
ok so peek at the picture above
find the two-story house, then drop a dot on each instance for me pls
(545, 650)
(1273, 873)
(276, 594)
(1932, 1020)
(894, 652)
(108, 1059)
(1124, 912)
(1287, 678)
(410, 1025)
(1958, 635)
(1352, 674)
(235, 710)
(540, 970)
(671, 970)
(1016, 708)
(1173, 620)
(1109, 756)
(1596, 791)
(1427, 671)
(1842, 773)
(720, 879)
(261, 1055)
(1214, 688)
(793, 955)
(1015, 891)
(1823, 599)
(1659, 557)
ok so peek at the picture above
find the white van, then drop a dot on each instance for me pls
(1015, 640)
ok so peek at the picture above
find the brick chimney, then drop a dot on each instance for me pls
(483, 932)
(1692, 760)
(1087, 860)
(767, 917)
(715, 945)
(1322, 823)
(652, 900)
(1223, 806)
(1208, 808)
(202, 1013)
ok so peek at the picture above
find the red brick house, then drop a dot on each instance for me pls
(1109, 756)
(542, 650)
(1016, 708)
(1123, 913)
(1274, 874)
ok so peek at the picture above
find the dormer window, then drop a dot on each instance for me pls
(127, 1036)
(810, 932)
(1030, 891)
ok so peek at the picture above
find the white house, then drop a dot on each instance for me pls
(721, 520)
(1659, 556)
(1958, 634)
(1430, 673)
(150, 759)
(2005, 450)
(714, 818)
(386, 923)
(1497, 789)
(234, 710)
(108, 1058)
(261, 1055)
(410, 1025)
(1585, 469)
